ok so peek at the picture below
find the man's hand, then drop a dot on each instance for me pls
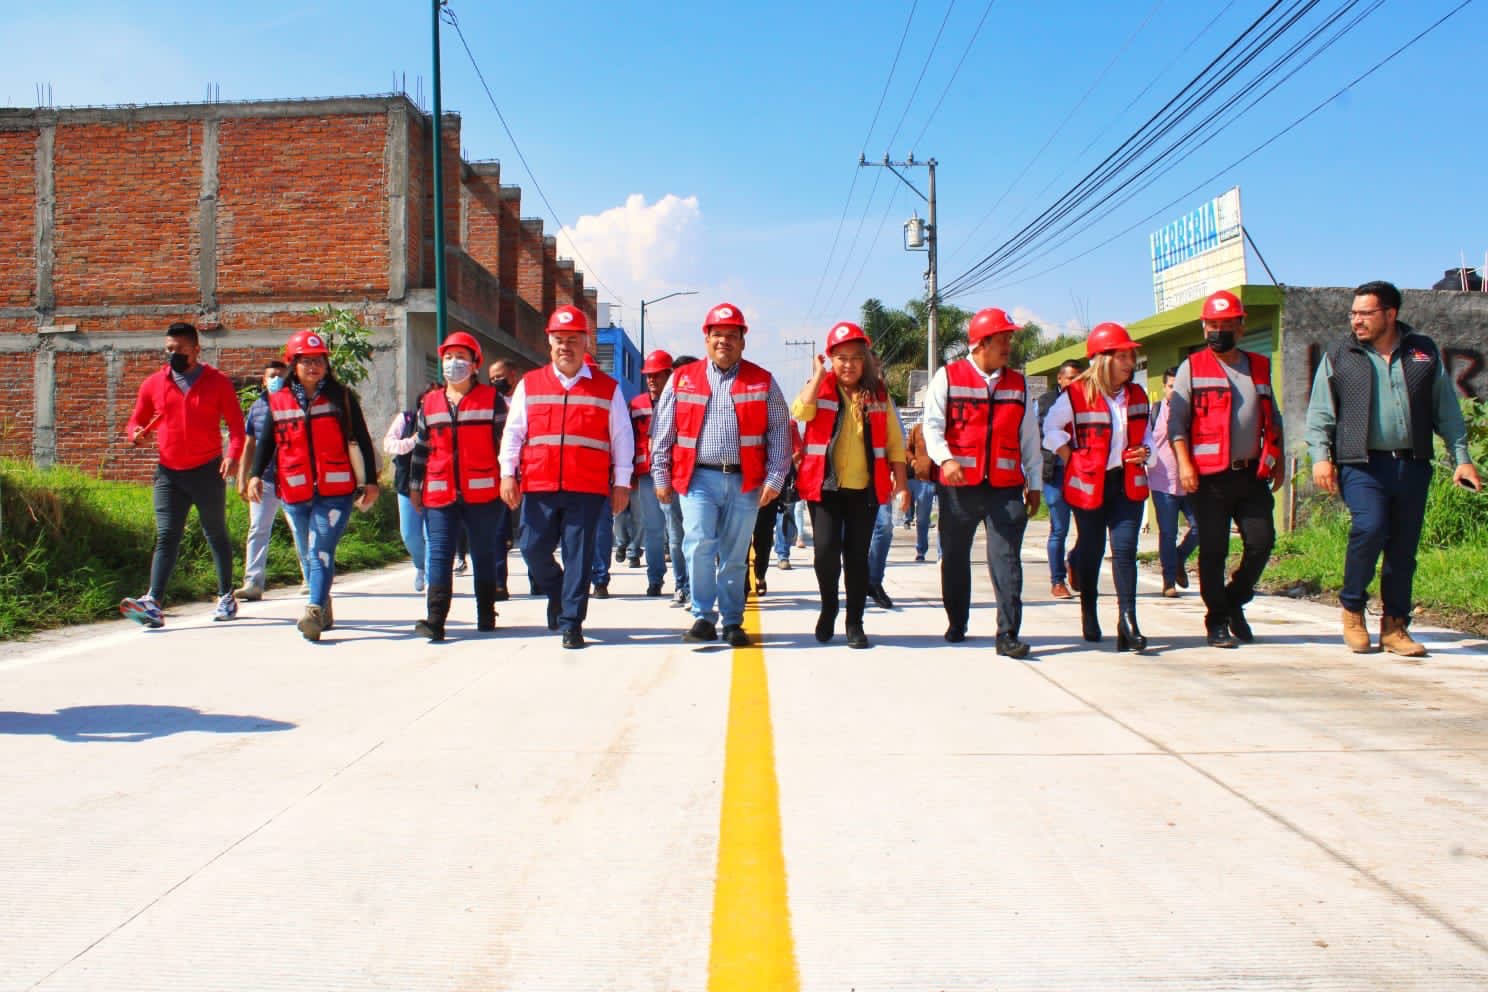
(767, 493)
(951, 472)
(511, 492)
(1325, 477)
(1031, 500)
(416, 499)
(664, 495)
(1467, 475)
(229, 468)
(901, 497)
(619, 499)
(1139, 454)
(1188, 477)
(255, 490)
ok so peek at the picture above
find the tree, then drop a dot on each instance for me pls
(350, 344)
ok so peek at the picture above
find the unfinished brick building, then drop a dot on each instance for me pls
(242, 218)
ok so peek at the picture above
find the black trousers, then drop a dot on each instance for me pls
(764, 536)
(1236, 496)
(842, 529)
(176, 492)
(962, 509)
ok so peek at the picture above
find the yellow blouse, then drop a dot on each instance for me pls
(849, 459)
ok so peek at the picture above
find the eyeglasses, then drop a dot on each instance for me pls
(310, 359)
(1355, 314)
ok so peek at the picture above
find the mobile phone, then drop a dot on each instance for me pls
(1466, 484)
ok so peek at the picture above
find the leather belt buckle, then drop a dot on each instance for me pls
(1242, 466)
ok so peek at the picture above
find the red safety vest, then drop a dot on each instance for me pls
(984, 426)
(311, 461)
(751, 395)
(462, 448)
(820, 431)
(1210, 399)
(1085, 474)
(568, 433)
(640, 419)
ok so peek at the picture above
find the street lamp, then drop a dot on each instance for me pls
(646, 303)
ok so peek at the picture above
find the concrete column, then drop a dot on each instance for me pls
(46, 210)
(395, 158)
(207, 217)
(44, 426)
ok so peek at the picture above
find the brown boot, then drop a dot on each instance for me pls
(1356, 631)
(1395, 639)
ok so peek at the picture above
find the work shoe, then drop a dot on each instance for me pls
(227, 608)
(500, 594)
(878, 595)
(249, 593)
(856, 638)
(601, 590)
(554, 608)
(682, 597)
(784, 565)
(619, 555)
(1240, 627)
(311, 624)
(654, 589)
(955, 634)
(573, 638)
(1220, 637)
(632, 563)
(701, 630)
(328, 614)
(825, 622)
(1060, 591)
(143, 611)
(735, 635)
(1396, 639)
(1009, 646)
(418, 580)
(1356, 631)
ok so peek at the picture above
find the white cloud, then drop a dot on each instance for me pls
(639, 249)
(1051, 328)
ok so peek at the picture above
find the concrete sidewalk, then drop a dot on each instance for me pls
(225, 806)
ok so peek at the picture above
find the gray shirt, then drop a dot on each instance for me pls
(1245, 409)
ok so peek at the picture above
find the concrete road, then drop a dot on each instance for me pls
(225, 806)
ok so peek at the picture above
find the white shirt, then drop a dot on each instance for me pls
(935, 425)
(1059, 424)
(622, 437)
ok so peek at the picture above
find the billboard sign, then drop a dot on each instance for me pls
(1200, 252)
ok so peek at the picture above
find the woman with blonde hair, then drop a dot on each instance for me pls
(1098, 427)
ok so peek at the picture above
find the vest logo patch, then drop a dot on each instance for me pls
(1416, 355)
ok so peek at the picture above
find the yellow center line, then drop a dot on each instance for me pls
(752, 947)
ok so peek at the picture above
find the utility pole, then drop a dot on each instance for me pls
(806, 344)
(647, 303)
(441, 318)
(930, 234)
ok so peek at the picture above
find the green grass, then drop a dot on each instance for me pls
(71, 546)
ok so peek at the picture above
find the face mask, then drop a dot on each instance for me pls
(456, 370)
(276, 383)
(180, 362)
(503, 387)
(1220, 340)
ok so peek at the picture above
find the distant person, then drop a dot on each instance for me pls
(186, 404)
(1062, 575)
(921, 489)
(644, 506)
(261, 514)
(1169, 498)
(324, 464)
(681, 583)
(505, 374)
(398, 444)
(1379, 395)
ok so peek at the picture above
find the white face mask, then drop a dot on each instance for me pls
(456, 370)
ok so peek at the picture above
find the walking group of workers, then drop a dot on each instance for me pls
(712, 443)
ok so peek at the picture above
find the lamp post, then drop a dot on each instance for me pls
(646, 303)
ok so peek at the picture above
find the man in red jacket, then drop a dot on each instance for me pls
(185, 405)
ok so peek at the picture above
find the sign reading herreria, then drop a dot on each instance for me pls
(1200, 252)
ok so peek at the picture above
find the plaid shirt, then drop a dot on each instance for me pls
(719, 441)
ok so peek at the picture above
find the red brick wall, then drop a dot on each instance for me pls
(423, 155)
(301, 208)
(530, 264)
(126, 211)
(563, 282)
(17, 404)
(549, 275)
(122, 461)
(85, 435)
(482, 199)
(506, 273)
(17, 219)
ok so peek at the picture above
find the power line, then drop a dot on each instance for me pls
(954, 73)
(929, 56)
(847, 256)
(453, 21)
(867, 254)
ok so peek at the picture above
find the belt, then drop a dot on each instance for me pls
(1397, 453)
(725, 469)
(1242, 466)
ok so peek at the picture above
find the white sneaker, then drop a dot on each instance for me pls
(143, 611)
(418, 580)
(227, 608)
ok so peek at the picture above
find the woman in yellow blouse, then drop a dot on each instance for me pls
(853, 462)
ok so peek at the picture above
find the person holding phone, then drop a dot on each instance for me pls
(1380, 393)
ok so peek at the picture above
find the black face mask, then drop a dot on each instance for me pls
(180, 362)
(1220, 340)
(503, 387)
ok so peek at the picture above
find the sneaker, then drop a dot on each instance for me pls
(681, 598)
(227, 608)
(619, 555)
(418, 580)
(249, 593)
(701, 630)
(143, 611)
(736, 636)
(601, 590)
(461, 565)
(784, 565)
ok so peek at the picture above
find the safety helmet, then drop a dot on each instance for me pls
(989, 322)
(657, 361)
(1223, 305)
(726, 315)
(845, 332)
(305, 343)
(1109, 336)
(568, 318)
(460, 339)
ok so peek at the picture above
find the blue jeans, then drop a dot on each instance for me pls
(1173, 555)
(878, 548)
(604, 539)
(1123, 518)
(319, 523)
(1387, 501)
(570, 520)
(480, 522)
(652, 529)
(718, 522)
(415, 531)
(627, 533)
(785, 532)
(673, 513)
(1059, 521)
(923, 492)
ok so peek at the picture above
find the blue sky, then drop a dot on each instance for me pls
(712, 146)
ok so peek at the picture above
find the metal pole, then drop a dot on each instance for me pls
(934, 300)
(440, 314)
(643, 330)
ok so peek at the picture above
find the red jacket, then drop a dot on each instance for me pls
(189, 431)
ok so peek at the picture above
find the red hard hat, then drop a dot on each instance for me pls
(568, 318)
(1223, 305)
(843, 333)
(460, 339)
(989, 322)
(657, 361)
(1108, 337)
(305, 343)
(726, 315)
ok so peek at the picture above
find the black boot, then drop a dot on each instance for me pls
(1088, 620)
(1128, 634)
(432, 626)
(485, 606)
